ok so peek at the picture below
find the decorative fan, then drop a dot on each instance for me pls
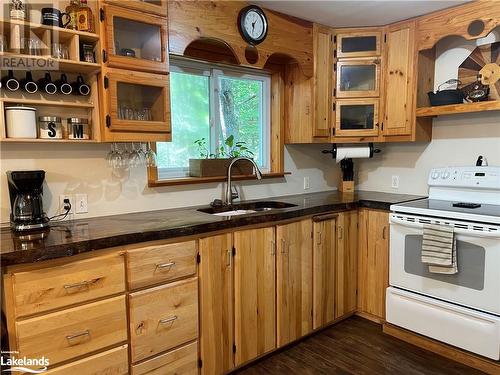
(469, 70)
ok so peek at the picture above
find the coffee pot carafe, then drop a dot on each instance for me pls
(25, 191)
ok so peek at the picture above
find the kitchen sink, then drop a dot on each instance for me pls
(246, 208)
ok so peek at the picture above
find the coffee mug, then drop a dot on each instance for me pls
(54, 17)
(80, 87)
(63, 85)
(47, 85)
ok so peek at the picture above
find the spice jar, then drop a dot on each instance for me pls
(78, 128)
(50, 127)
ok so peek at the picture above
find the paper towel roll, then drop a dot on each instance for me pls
(352, 152)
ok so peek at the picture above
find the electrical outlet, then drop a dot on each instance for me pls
(306, 183)
(395, 182)
(81, 206)
(62, 205)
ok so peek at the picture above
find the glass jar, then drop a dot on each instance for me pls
(78, 128)
(50, 127)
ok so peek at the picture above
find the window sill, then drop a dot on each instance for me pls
(204, 180)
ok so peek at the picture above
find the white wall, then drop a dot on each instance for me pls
(456, 140)
(73, 168)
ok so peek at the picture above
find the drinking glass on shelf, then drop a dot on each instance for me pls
(60, 51)
(3, 44)
(64, 52)
(33, 47)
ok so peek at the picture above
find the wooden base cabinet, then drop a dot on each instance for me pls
(334, 266)
(294, 281)
(254, 297)
(373, 262)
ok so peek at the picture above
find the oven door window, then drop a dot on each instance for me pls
(470, 258)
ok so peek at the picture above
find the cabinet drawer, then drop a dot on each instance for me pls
(158, 264)
(180, 361)
(162, 318)
(65, 284)
(73, 332)
(110, 362)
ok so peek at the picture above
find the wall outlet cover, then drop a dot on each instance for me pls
(62, 197)
(395, 182)
(307, 184)
(81, 206)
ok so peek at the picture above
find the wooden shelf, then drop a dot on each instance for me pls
(84, 36)
(452, 109)
(66, 66)
(48, 103)
(39, 140)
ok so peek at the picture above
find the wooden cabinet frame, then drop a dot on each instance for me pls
(117, 61)
(358, 33)
(361, 93)
(357, 132)
(143, 6)
(114, 123)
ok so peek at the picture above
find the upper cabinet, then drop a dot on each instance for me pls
(357, 117)
(158, 7)
(400, 83)
(358, 43)
(134, 40)
(358, 78)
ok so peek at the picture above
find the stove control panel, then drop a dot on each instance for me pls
(468, 177)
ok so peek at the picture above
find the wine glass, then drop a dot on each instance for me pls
(134, 157)
(150, 157)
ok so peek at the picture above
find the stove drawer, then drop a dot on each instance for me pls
(455, 325)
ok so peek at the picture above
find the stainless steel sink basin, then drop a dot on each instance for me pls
(246, 208)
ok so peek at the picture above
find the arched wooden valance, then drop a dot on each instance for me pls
(191, 21)
(457, 21)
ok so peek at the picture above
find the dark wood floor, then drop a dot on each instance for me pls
(356, 346)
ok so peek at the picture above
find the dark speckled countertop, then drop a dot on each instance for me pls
(80, 236)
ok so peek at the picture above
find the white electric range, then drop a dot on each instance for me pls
(461, 309)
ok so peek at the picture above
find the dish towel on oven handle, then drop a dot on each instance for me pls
(439, 249)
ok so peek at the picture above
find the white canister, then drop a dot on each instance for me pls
(21, 122)
(50, 127)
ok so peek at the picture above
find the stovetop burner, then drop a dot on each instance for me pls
(466, 205)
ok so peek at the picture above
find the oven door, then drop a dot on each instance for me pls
(477, 283)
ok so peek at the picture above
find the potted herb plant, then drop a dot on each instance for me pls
(211, 165)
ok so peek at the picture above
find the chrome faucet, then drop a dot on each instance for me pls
(230, 195)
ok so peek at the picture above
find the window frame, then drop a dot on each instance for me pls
(160, 176)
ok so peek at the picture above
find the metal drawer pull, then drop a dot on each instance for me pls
(76, 335)
(168, 320)
(78, 285)
(165, 265)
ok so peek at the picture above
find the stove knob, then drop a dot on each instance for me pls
(435, 175)
(446, 174)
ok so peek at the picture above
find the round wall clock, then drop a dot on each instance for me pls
(252, 23)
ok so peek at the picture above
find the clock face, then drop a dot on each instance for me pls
(253, 24)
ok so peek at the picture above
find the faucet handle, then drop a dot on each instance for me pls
(217, 203)
(234, 192)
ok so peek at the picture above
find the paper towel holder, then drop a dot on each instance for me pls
(346, 185)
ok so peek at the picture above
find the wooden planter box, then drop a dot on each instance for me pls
(218, 167)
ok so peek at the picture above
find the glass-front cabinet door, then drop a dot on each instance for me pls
(357, 117)
(137, 102)
(135, 40)
(150, 6)
(358, 78)
(358, 44)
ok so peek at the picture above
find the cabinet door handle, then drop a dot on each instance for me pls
(170, 319)
(341, 233)
(229, 255)
(165, 265)
(273, 247)
(384, 232)
(85, 283)
(318, 241)
(77, 335)
(283, 246)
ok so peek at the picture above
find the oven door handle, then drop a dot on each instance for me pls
(466, 232)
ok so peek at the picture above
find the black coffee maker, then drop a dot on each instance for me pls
(25, 190)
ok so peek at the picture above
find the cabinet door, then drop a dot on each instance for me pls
(373, 258)
(322, 80)
(294, 281)
(137, 102)
(135, 40)
(216, 304)
(324, 272)
(158, 7)
(358, 44)
(357, 117)
(400, 79)
(254, 293)
(346, 265)
(358, 78)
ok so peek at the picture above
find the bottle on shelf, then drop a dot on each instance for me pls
(10, 82)
(28, 84)
(72, 10)
(85, 18)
